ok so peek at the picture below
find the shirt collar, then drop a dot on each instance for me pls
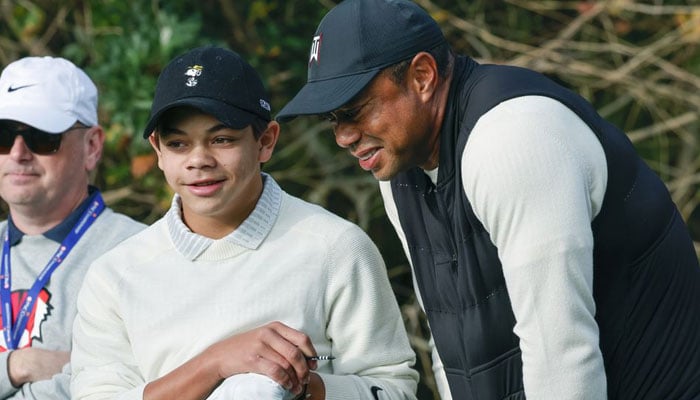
(250, 234)
(58, 232)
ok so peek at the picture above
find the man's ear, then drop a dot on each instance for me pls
(155, 143)
(423, 74)
(268, 140)
(94, 142)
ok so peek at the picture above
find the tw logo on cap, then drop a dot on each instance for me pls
(192, 73)
(315, 49)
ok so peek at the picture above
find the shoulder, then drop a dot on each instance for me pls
(534, 131)
(304, 213)
(533, 168)
(533, 110)
(341, 247)
(120, 266)
(116, 225)
(144, 244)
(303, 218)
(531, 137)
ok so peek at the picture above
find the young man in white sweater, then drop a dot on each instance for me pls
(239, 282)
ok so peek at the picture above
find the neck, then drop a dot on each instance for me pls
(35, 222)
(212, 228)
(219, 225)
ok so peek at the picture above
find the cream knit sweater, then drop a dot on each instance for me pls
(166, 294)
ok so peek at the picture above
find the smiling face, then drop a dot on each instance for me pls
(391, 127)
(215, 169)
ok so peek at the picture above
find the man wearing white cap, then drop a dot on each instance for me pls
(50, 140)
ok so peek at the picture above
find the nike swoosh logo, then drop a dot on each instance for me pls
(12, 89)
(374, 390)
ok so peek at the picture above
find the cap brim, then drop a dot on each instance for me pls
(45, 119)
(320, 97)
(230, 116)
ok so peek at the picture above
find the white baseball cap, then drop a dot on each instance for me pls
(48, 93)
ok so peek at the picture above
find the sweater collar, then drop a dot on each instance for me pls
(250, 234)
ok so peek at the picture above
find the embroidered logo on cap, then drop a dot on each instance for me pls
(315, 49)
(12, 89)
(192, 73)
(264, 104)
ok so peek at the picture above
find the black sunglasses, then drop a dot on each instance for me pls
(38, 141)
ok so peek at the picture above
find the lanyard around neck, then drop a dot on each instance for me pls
(12, 330)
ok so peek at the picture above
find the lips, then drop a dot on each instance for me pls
(367, 155)
(21, 174)
(205, 187)
(207, 183)
(368, 158)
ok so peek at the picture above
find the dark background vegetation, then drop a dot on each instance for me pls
(638, 62)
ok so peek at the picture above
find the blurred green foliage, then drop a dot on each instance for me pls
(637, 61)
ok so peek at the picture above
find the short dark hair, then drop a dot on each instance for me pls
(259, 126)
(442, 54)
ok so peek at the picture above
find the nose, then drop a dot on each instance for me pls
(346, 135)
(200, 157)
(19, 149)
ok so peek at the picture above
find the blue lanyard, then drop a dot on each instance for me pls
(13, 329)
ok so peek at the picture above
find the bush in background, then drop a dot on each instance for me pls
(638, 62)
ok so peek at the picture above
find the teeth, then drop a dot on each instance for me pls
(368, 155)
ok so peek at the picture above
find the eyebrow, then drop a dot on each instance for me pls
(167, 130)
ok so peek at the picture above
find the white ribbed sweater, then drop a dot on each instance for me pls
(145, 308)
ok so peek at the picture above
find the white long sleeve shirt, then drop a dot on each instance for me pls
(535, 175)
(165, 295)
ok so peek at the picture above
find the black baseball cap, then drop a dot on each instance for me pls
(353, 42)
(216, 81)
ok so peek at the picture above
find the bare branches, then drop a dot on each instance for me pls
(636, 62)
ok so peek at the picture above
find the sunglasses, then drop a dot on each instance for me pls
(38, 141)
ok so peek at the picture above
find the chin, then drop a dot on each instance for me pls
(383, 175)
(387, 172)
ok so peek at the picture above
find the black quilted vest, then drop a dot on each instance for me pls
(646, 274)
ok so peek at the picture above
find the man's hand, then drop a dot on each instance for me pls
(31, 364)
(274, 350)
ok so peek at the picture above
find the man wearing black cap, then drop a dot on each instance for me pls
(240, 282)
(550, 260)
